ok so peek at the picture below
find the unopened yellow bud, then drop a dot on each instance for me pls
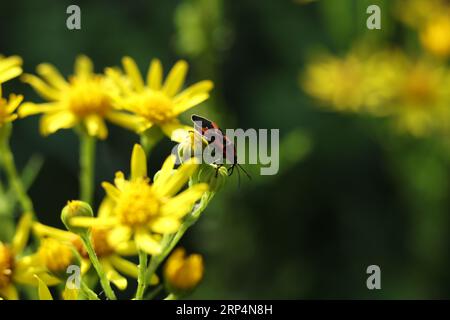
(73, 209)
(183, 273)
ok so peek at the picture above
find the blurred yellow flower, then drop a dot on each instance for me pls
(15, 268)
(435, 36)
(431, 19)
(84, 99)
(8, 106)
(142, 210)
(357, 82)
(106, 247)
(183, 273)
(10, 68)
(155, 102)
(56, 256)
(422, 104)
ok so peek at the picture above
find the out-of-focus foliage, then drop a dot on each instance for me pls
(351, 192)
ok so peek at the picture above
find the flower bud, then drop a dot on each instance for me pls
(191, 146)
(212, 175)
(73, 209)
(183, 273)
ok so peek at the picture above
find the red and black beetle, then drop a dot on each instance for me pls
(224, 144)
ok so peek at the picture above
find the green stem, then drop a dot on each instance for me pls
(98, 267)
(91, 295)
(87, 163)
(141, 276)
(13, 177)
(151, 295)
(173, 240)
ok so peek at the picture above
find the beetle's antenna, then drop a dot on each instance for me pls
(246, 173)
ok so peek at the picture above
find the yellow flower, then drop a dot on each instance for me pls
(422, 104)
(107, 249)
(183, 273)
(85, 99)
(435, 36)
(17, 269)
(10, 68)
(357, 82)
(157, 103)
(7, 107)
(55, 256)
(142, 210)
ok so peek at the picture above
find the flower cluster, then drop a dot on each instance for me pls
(412, 91)
(140, 216)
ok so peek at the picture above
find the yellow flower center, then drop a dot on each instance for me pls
(88, 96)
(99, 238)
(6, 265)
(55, 255)
(137, 204)
(155, 106)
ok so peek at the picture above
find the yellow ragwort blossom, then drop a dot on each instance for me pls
(86, 98)
(106, 247)
(155, 102)
(183, 273)
(422, 103)
(15, 268)
(435, 36)
(142, 210)
(10, 68)
(357, 82)
(8, 106)
(431, 19)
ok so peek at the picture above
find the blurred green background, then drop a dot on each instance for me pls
(349, 192)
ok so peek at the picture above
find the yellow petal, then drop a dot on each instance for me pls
(13, 103)
(111, 190)
(70, 294)
(138, 163)
(175, 130)
(147, 243)
(96, 127)
(186, 104)
(106, 208)
(124, 266)
(133, 73)
(178, 179)
(10, 74)
(181, 204)
(200, 88)
(83, 66)
(86, 222)
(165, 172)
(154, 75)
(42, 88)
(175, 79)
(119, 235)
(43, 291)
(129, 121)
(126, 248)
(165, 225)
(28, 108)
(50, 123)
(113, 276)
(22, 232)
(42, 230)
(51, 75)
(85, 266)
